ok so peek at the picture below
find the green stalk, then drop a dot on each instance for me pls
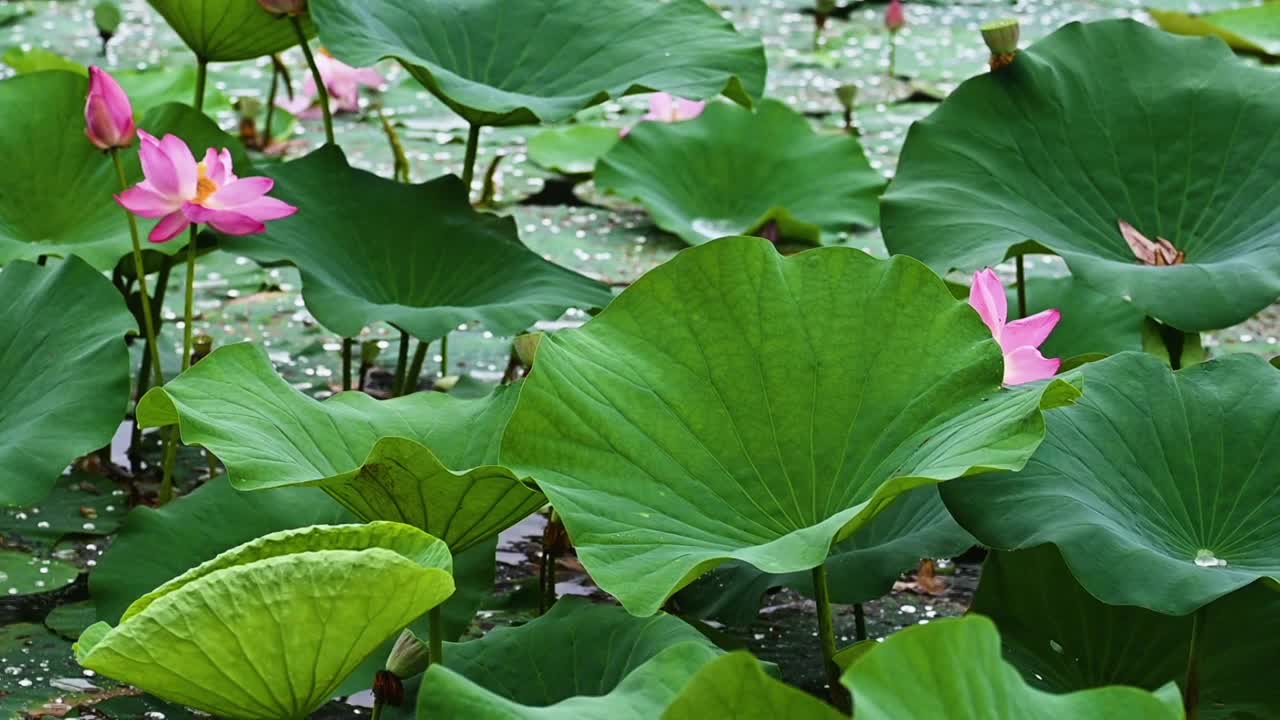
(1022, 288)
(437, 635)
(271, 102)
(469, 164)
(347, 343)
(148, 320)
(398, 382)
(377, 709)
(202, 78)
(188, 310)
(402, 171)
(859, 623)
(415, 369)
(893, 51)
(826, 632)
(444, 356)
(1191, 680)
(322, 92)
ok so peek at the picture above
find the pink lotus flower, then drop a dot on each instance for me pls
(341, 80)
(894, 17)
(108, 115)
(667, 108)
(284, 7)
(1019, 340)
(182, 191)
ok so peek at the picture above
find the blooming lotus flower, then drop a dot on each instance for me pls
(108, 115)
(1019, 340)
(284, 7)
(182, 191)
(341, 80)
(667, 108)
(894, 17)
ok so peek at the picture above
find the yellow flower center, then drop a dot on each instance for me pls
(204, 186)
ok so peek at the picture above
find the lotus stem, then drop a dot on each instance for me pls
(402, 363)
(170, 456)
(271, 101)
(401, 168)
(1191, 681)
(444, 355)
(1022, 288)
(377, 709)
(347, 343)
(140, 268)
(827, 634)
(189, 307)
(469, 164)
(42, 260)
(437, 635)
(322, 92)
(415, 369)
(202, 78)
(893, 52)
(859, 622)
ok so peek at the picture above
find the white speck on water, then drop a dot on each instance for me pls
(1206, 558)
(907, 608)
(1055, 646)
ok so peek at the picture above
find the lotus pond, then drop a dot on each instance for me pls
(650, 360)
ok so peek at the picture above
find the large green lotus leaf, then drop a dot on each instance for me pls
(425, 261)
(1160, 488)
(736, 686)
(732, 171)
(1054, 151)
(216, 517)
(952, 670)
(63, 207)
(227, 30)
(864, 567)
(1253, 29)
(501, 63)
(572, 150)
(1063, 639)
(734, 404)
(65, 368)
(580, 661)
(383, 460)
(268, 630)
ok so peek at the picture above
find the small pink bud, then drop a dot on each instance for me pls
(108, 116)
(894, 17)
(284, 7)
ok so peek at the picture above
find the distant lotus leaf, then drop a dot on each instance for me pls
(65, 368)
(572, 150)
(42, 117)
(731, 171)
(228, 30)
(427, 260)
(736, 686)
(1049, 153)
(268, 630)
(864, 567)
(1253, 29)
(1063, 639)
(951, 670)
(666, 459)
(383, 460)
(580, 661)
(497, 62)
(1159, 488)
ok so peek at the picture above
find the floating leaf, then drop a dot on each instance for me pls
(1158, 487)
(427, 261)
(1050, 150)
(79, 504)
(1254, 29)
(951, 670)
(1063, 639)
(732, 172)
(577, 662)
(228, 30)
(736, 686)
(65, 368)
(384, 460)
(501, 63)
(42, 117)
(268, 630)
(22, 573)
(864, 567)
(666, 459)
(572, 150)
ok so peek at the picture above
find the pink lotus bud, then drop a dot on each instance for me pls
(894, 17)
(284, 7)
(108, 116)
